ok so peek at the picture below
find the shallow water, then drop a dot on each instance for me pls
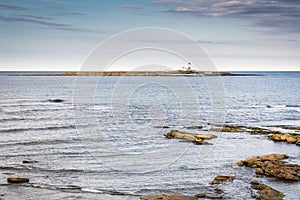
(103, 140)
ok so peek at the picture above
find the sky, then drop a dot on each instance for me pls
(238, 35)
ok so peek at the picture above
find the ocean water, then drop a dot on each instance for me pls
(104, 140)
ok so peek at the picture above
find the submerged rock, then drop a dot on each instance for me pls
(200, 195)
(288, 138)
(17, 180)
(167, 197)
(272, 165)
(55, 100)
(29, 161)
(248, 129)
(194, 127)
(195, 138)
(162, 127)
(265, 192)
(219, 179)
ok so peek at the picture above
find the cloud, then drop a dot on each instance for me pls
(78, 30)
(40, 20)
(34, 17)
(11, 7)
(63, 13)
(184, 9)
(30, 20)
(135, 7)
(220, 42)
(280, 15)
(166, 2)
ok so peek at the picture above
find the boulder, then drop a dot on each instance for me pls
(265, 192)
(272, 165)
(167, 197)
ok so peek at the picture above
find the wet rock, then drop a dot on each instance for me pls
(162, 127)
(227, 129)
(288, 138)
(193, 127)
(259, 171)
(265, 192)
(240, 163)
(274, 156)
(29, 161)
(55, 100)
(272, 165)
(219, 179)
(219, 191)
(249, 129)
(195, 138)
(200, 195)
(168, 197)
(17, 180)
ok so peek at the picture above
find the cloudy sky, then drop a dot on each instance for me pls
(238, 35)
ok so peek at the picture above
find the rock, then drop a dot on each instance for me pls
(55, 100)
(265, 192)
(17, 180)
(29, 161)
(288, 138)
(248, 129)
(273, 156)
(240, 163)
(272, 165)
(219, 191)
(193, 127)
(161, 126)
(167, 197)
(200, 195)
(205, 136)
(219, 179)
(195, 138)
(259, 171)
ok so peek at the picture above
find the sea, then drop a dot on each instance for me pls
(103, 137)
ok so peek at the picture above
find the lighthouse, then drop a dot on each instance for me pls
(189, 68)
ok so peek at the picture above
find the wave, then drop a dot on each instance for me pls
(283, 106)
(28, 111)
(32, 119)
(41, 142)
(38, 129)
(276, 106)
(293, 106)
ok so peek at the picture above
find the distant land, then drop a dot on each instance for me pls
(128, 73)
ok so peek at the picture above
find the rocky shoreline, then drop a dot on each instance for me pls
(267, 165)
(270, 165)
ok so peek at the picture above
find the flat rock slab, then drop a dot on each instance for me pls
(195, 138)
(219, 179)
(17, 180)
(168, 197)
(286, 137)
(272, 165)
(265, 192)
(247, 129)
